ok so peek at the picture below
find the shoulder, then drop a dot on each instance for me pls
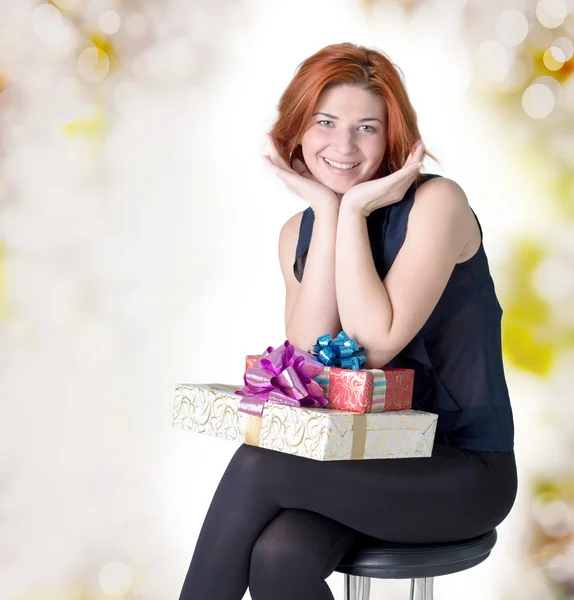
(441, 190)
(441, 200)
(289, 235)
(288, 238)
(292, 225)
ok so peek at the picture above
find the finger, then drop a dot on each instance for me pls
(301, 168)
(288, 177)
(416, 156)
(420, 150)
(267, 160)
(415, 151)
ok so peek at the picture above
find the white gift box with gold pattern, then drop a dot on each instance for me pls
(317, 433)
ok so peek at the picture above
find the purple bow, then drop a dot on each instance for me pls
(282, 376)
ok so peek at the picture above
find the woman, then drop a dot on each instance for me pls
(395, 258)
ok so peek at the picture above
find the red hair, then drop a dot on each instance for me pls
(348, 64)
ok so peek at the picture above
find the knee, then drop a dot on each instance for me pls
(282, 562)
(273, 564)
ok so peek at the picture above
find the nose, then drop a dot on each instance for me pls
(344, 143)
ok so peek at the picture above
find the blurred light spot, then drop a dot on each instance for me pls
(511, 27)
(116, 578)
(451, 6)
(537, 101)
(169, 60)
(492, 59)
(540, 37)
(2, 259)
(516, 80)
(11, 45)
(109, 22)
(553, 58)
(46, 22)
(551, 13)
(136, 26)
(560, 568)
(552, 84)
(14, 99)
(568, 89)
(556, 517)
(93, 64)
(67, 4)
(553, 279)
(562, 145)
(125, 94)
(566, 45)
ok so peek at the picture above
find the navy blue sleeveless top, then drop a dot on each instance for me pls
(457, 354)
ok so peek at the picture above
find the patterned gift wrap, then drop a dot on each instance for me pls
(316, 433)
(364, 390)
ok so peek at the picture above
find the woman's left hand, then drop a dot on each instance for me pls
(367, 196)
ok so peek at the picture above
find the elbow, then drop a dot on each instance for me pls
(375, 363)
(377, 358)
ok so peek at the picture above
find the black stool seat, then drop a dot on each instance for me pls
(391, 560)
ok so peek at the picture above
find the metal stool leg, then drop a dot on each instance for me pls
(357, 588)
(421, 589)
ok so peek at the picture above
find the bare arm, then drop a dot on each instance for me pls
(384, 316)
(311, 306)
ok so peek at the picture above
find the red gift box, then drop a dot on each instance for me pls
(363, 390)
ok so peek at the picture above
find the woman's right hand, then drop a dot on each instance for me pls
(299, 179)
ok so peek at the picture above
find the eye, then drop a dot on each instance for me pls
(371, 130)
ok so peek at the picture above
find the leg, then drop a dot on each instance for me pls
(294, 555)
(357, 587)
(451, 495)
(422, 589)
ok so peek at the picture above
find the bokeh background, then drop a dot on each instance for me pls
(138, 249)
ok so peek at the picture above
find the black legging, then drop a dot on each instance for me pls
(280, 523)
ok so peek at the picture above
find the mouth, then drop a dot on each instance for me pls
(340, 168)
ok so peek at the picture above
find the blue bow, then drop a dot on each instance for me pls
(342, 352)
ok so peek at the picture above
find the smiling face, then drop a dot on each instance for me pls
(349, 130)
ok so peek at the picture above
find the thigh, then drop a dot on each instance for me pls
(451, 495)
(299, 544)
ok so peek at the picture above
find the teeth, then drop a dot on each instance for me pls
(339, 165)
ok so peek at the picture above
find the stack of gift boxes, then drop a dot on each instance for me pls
(301, 403)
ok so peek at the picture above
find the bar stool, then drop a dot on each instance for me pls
(418, 562)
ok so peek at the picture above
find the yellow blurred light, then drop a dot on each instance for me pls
(522, 349)
(553, 58)
(566, 45)
(568, 88)
(93, 64)
(89, 126)
(67, 4)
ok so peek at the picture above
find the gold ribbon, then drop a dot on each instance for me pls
(359, 436)
(253, 430)
(253, 433)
